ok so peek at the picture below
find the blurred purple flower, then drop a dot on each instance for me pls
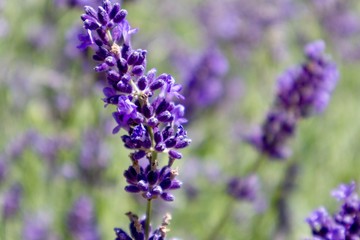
(3, 168)
(275, 133)
(301, 92)
(195, 169)
(4, 27)
(204, 80)
(12, 199)
(81, 220)
(38, 227)
(306, 90)
(345, 223)
(19, 144)
(242, 24)
(94, 157)
(244, 188)
(49, 148)
(41, 36)
(341, 22)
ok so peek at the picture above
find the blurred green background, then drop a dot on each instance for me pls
(48, 89)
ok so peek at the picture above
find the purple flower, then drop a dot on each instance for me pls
(244, 188)
(143, 100)
(12, 199)
(3, 168)
(145, 108)
(94, 157)
(344, 191)
(37, 227)
(275, 133)
(301, 92)
(242, 24)
(137, 229)
(4, 28)
(16, 147)
(49, 148)
(81, 220)
(204, 81)
(342, 24)
(150, 182)
(306, 89)
(345, 223)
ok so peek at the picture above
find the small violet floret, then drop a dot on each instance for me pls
(343, 224)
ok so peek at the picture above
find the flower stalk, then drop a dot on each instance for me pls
(146, 110)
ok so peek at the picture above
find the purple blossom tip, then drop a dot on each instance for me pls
(343, 224)
(314, 49)
(344, 191)
(244, 188)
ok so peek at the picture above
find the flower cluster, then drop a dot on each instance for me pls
(244, 188)
(345, 223)
(93, 157)
(204, 79)
(145, 110)
(151, 182)
(137, 227)
(302, 92)
(12, 199)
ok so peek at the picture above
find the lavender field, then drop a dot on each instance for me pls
(202, 119)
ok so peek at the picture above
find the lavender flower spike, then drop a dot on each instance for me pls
(345, 223)
(145, 102)
(301, 92)
(146, 110)
(12, 201)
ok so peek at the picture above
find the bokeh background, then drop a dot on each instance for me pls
(61, 168)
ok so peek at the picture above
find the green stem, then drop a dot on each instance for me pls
(148, 216)
(255, 166)
(222, 221)
(153, 160)
(285, 185)
(229, 207)
(153, 153)
(279, 201)
(3, 232)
